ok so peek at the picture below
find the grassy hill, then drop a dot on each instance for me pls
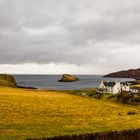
(7, 80)
(136, 85)
(32, 113)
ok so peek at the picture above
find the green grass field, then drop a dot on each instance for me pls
(35, 114)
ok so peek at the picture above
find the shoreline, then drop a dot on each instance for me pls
(23, 87)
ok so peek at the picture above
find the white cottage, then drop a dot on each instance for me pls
(113, 87)
(135, 90)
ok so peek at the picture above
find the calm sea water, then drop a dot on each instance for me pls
(51, 81)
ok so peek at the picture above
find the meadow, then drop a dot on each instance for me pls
(28, 113)
(137, 86)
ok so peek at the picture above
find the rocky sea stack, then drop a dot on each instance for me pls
(7, 80)
(68, 78)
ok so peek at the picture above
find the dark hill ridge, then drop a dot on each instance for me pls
(132, 73)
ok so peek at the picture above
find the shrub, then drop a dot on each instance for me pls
(131, 113)
(125, 98)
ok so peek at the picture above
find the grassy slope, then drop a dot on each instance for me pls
(6, 83)
(29, 113)
(7, 80)
(137, 85)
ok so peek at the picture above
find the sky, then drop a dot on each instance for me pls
(69, 36)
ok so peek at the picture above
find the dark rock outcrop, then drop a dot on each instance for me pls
(7, 80)
(132, 73)
(68, 78)
(26, 87)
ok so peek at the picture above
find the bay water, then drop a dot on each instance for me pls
(51, 81)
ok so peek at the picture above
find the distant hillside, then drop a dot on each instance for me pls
(7, 80)
(132, 73)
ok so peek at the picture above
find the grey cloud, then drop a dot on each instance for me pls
(78, 32)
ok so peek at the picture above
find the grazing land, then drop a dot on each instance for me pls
(27, 113)
(136, 85)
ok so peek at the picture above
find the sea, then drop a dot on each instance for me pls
(51, 82)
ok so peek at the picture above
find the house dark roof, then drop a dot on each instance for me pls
(136, 88)
(109, 84)
(124, 83)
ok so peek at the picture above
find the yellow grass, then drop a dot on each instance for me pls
(137, 85)
(30, 113)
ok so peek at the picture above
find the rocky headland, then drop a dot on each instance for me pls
(131, 73)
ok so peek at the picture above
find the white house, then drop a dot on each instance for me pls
(113, 87)
(135, 90)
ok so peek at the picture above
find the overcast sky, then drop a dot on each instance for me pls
(69, 36)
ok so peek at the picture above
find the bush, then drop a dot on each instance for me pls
(136, 99)
(131, 113)
(125, 98)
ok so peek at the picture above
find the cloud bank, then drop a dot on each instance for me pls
(98, 35)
